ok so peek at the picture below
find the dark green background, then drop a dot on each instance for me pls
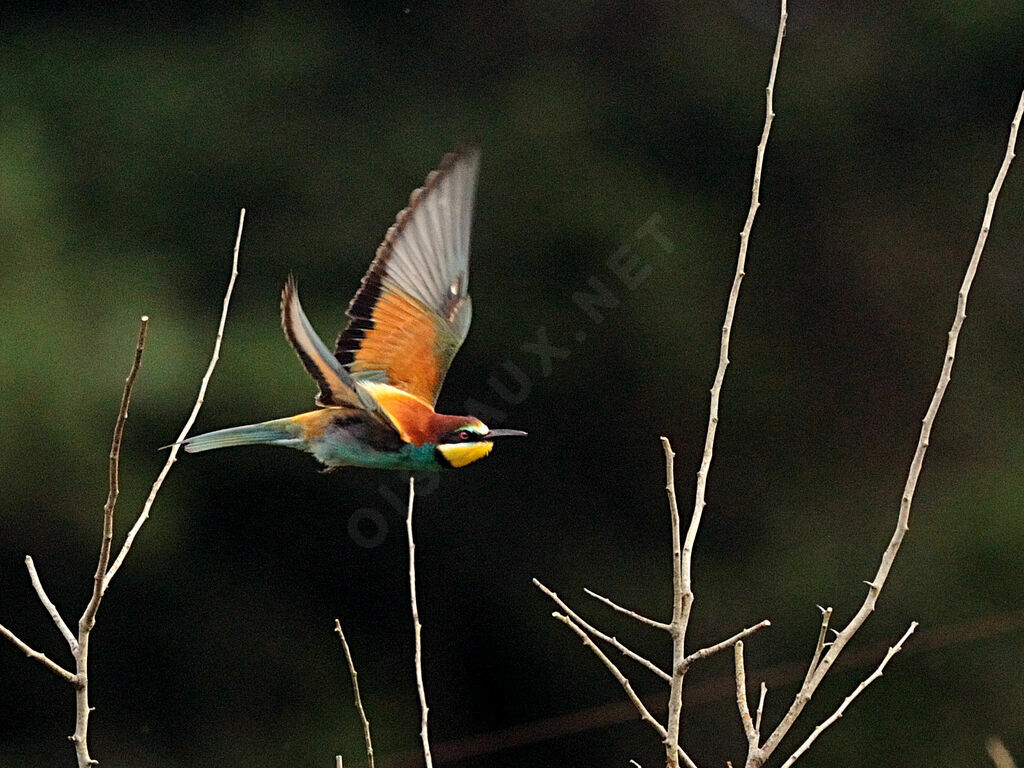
(128, 142)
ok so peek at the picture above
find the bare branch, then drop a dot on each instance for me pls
(680, 575)
(101, 579)
(645, 714)
(682, 599)
(760, 708)
(741, 698)
(703, 653)
(49, 606)
(416, 627)
(88, 619)
(999, 754)
(355, 688)
(42, 658)
(730, 311)
(176, 446)
(903, 521)
(826, 616)
(614, 642)
(846, 702)
(683, 593)
(632, 614)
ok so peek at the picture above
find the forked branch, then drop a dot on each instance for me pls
(683, 602)
(172, 456)
(682, 551)
(893, 650)
(843, 637)
(79, 644)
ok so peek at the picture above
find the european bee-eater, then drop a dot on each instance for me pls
(406, 322)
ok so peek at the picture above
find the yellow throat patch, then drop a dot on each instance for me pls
(461, 454)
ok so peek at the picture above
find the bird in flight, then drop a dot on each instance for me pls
(407, 320)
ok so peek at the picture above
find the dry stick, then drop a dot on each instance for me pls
(176, 446)
(80, 646)
(355, 687)
(416, 627)
(625, 611)
(703, 653)
(741, 698)
(42, 658)
(88, 619)
(998, 753)
(683, 598)
(826, 616)
(645, 714)
(846, 702)
(614, 642)
(760, 708)
(101, 579)
(902, 525)
(72, 641)
(581, 627)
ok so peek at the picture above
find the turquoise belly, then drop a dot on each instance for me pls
(334, 452)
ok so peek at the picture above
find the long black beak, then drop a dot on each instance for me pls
(504, 433)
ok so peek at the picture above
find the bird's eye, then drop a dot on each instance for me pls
(463, 435)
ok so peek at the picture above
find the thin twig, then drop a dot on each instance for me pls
(614, 642)
(680, 576)
(730, 310)
(760, 708)
(88, 619)
(48, 604)
(645, 714)
(104, 570)
(998, 753)
(683, 597)
(703, 653)
(355, 688)
(176, 446)
(741, 698)
(826, 616)
(42, 658)
(632, 614)
(424, 709)
(903, 521)
(113, 482)
(846, 702)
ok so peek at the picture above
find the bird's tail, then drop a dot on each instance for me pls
(277, 432)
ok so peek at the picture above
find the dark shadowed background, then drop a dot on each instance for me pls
(128, 142)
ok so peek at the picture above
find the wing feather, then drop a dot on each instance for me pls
(412, 311)
(335, 383)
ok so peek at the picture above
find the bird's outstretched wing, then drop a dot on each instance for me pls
(336, 385)
(412, 311)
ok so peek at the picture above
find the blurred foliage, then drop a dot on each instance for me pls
(128, 142)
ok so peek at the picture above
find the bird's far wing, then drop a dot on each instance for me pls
(412, 311)
(336, 385)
